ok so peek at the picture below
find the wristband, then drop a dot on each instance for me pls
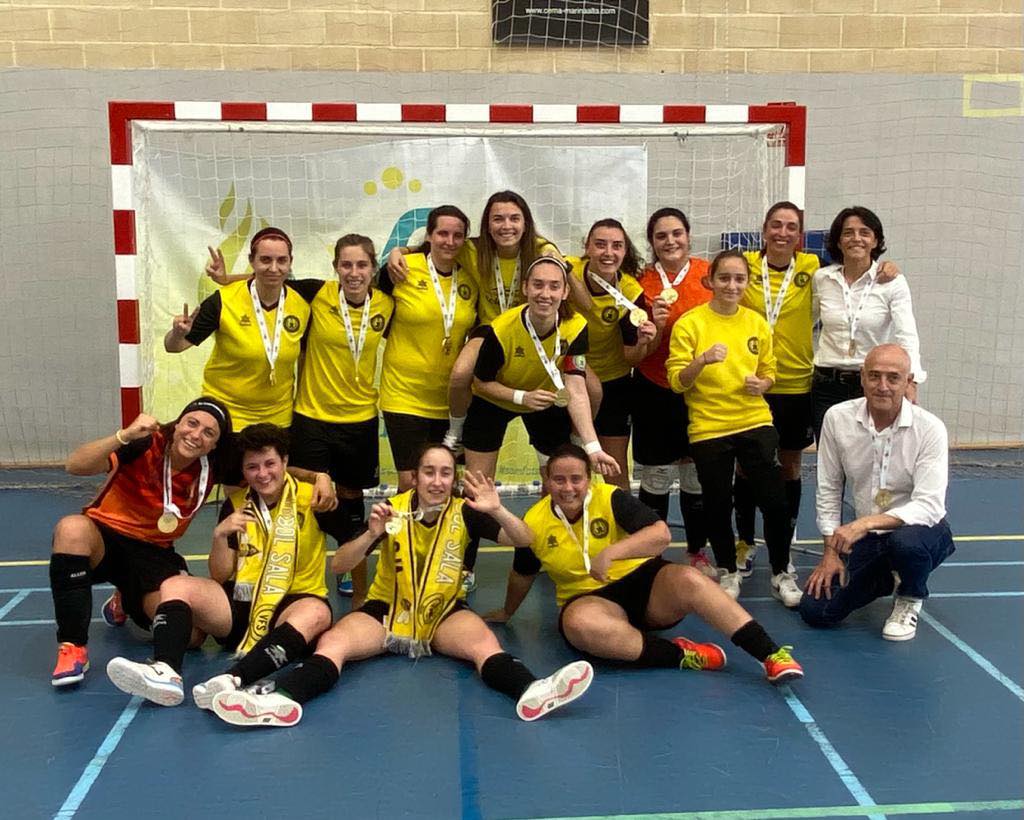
(121, 439)
(518, 396)
(592, 447)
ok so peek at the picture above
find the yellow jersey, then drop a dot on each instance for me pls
(792, 336)
(717, 401)
(414, 377)
(607, 322)
(488, 305)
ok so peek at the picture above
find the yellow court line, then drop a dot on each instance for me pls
(204, 556)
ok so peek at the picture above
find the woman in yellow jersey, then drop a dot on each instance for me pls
(257, 327)
(532, 363)
(416, 605)
(721, 355)
(604, 290)
(672, 286)
(781, 290)
(435, 307)
(507, 245)
(602, 550)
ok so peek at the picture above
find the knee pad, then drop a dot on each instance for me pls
(655, 479)
(688, 481)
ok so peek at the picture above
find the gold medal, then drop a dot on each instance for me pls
(167, 523)
(446, 345)
(637, 316)
(273, 378)
(669, 296)
(393, 526)
(883, 499)
(561, 398)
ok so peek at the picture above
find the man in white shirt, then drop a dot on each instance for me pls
(894, 456)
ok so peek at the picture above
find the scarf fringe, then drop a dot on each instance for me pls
(406, 646)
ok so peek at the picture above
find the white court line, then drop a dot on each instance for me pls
(20, 596)
(973, 654)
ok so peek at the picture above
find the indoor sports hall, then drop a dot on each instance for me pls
(136, 135)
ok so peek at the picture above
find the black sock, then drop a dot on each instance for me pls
(172, 630)
(691, 505)
(279, 647)
(469, 557)
(304, 681)
(743, 502)
(753, 640)
(659, 652)
(657, 502)
(507, 674)
(793, 490)
(71, 585)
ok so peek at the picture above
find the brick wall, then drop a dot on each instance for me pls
(692, 36)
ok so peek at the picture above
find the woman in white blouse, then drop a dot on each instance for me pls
(858, 311)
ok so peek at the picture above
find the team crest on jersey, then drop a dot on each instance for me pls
(421, 284)
(464, 291)
(599, 528)
(610, 315)
(244, 320)
(801, 280)
(519, 352)
(377, 323)
(753, 345)
(291, 323)
(552, 542)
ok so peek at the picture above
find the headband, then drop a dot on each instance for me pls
(207, 406)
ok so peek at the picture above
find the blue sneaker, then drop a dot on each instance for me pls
(345, 585)
(113, 612)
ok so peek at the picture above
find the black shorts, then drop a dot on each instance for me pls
(613, 415)
(136, 568)
(240, 614)
(407, 435)
(486, 424)
(791, 415)
(631, 593)
(378, 610)
(659, 423)
(348, 452)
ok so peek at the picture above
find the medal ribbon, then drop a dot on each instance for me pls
(614, 292)
(549, 364)
(679, 276)
(772, 311)
(447, 310)
(204, 477)
(881, 464)
(852, 315)
(505, 298)
(585, 546)
(271, 348)
(355, 347)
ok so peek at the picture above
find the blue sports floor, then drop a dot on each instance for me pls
(933, 727)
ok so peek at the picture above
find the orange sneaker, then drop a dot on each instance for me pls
(72, 664)
(781, 667)
(704, 657)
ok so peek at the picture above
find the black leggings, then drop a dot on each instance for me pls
(757, 452)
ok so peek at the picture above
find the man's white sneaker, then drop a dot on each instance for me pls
(155, 681)
(547, 694)
(730, 582)
(203, 693)
(785, 589)
(453, 443)
(245, 708)
(901, 625)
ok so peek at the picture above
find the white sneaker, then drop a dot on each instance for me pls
(730, 582)
(155, 681)
(547, 694)
(901, 625)
(785, 589)
(203, 693)
(244, 708)
(468, 581)
(453, 443)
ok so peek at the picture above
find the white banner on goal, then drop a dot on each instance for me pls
(198, 189)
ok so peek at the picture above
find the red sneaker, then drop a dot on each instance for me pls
(699, 561)
(781, 667)
(113, 612)
(704, 657)
(72, 664)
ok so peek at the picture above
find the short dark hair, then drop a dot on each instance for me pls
(269, 233)
(570, 450)
(864, 215)
(661, 213)
(260, 436)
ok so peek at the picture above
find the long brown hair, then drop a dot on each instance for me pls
(632, 262)
(487, 250)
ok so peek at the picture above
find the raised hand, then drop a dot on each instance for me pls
(481, 494)
(215, 268)
(141, 427)
(182, 323)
